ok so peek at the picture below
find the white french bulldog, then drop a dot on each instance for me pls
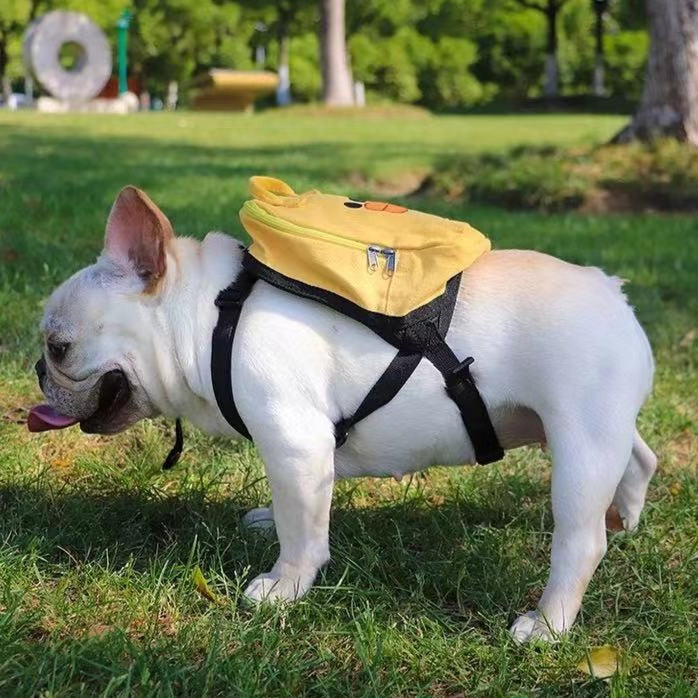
(560, 360)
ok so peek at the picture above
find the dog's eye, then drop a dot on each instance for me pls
(57, 350)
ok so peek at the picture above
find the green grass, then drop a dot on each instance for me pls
(97, 545)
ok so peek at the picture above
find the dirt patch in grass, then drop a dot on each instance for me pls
(401, 183)
(682, 453)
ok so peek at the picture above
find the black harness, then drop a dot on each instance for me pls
(421, 334)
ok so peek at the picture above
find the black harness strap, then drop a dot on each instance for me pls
(383, 391)
(176, 450)
(229, 303)
(461, 388)
(425, 338)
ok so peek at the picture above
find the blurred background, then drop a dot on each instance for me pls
(444, 55)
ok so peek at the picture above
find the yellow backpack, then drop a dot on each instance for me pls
(395, 270)
(383, 258)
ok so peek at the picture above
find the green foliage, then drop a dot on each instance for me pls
(390, 65)
(15, 15)
(306, 83)
(198, 35)
(410, 67)
(512, 46)
(531, 178)
(625, 51)
(443, 54)
(662, 175)
(448, 80)
(626, 56)
(577, 49)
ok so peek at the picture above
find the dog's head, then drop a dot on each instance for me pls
(98, 339)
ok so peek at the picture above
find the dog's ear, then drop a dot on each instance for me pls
(137, 236)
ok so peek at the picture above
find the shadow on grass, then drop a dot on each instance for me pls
(448, 550)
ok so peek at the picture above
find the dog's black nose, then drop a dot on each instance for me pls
(40, 368)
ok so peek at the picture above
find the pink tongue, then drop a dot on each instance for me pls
(43, 418)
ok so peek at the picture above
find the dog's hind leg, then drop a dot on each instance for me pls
(588, 464)
(629, 498)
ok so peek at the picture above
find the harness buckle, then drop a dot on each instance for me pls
(341, 432)
(460, 373)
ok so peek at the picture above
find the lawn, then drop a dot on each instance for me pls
(98, 545)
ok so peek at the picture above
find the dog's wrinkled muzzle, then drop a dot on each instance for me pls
(114, 394)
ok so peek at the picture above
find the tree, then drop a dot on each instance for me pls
(15, 17)
(285, 13)
(288, 21)
(600, 7)
(669, 102)
(550, 9)
(180, 39)
(337, 88)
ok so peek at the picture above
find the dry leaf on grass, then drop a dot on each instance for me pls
(99, 629)
(600, 662)
(688, 339)
(202, 586)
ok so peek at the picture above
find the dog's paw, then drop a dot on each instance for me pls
(260, 521)
(530, 627)
(274, 588)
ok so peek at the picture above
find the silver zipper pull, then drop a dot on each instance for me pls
(390, 260)
(372, 252)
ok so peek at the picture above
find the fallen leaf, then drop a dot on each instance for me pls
(167, 624)
(600, 662)
(688, 339)
(62, 462)
(99, 629)
(202, 586)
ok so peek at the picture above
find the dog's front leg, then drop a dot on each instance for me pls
(300, 469)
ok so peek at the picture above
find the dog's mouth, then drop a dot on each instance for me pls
(114, 394)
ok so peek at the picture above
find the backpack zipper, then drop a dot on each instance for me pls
(390, 255)
(254, 210)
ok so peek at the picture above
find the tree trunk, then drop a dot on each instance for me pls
(336, 76)
(669, 103)
(599, 67)
(3, 56)
(283, 91)
(551, 85)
